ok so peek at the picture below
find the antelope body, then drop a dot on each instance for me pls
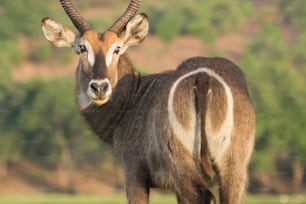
(190, 130)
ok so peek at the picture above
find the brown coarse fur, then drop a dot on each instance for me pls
(190, 130)
(136, 125)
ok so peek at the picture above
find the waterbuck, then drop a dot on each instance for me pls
(190, 130)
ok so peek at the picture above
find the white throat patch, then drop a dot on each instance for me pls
(83, 100)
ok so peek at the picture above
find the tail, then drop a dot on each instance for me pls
(209, 170)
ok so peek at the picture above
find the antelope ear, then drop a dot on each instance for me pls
(135, 32)
(57, 34)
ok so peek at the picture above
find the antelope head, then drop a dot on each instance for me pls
(99, 52)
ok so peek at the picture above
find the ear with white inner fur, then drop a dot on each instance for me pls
(135, 32)
(57, 34)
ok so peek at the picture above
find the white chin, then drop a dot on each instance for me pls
(100, 102)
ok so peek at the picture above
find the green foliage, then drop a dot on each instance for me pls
(217, 17)
(22, 17)
(299, 53)
(120, 198)
(294, 12)
(39, 119)
(46, 53)
(170, 25)
(204, 19)
(5, 81)
(49, 123)
(11, 53)
(276, 89)
(42, 53)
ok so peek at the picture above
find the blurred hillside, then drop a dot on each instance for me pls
(46, 147)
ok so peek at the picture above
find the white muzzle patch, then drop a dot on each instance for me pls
(100, 99)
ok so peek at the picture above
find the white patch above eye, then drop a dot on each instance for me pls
(91, 55)
(110, 54)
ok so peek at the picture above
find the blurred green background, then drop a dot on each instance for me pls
(45, 146)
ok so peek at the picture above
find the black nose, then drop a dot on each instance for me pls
(99, 88)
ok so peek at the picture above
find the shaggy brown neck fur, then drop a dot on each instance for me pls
(104, 119)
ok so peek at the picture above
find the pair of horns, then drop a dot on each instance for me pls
(82, 25)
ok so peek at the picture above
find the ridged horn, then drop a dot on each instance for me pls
(78, 21)
(129, 13)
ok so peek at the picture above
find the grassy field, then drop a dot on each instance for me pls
(119, 199)
(79, 199)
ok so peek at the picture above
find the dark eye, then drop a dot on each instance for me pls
(83, 48)
(117, 50)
